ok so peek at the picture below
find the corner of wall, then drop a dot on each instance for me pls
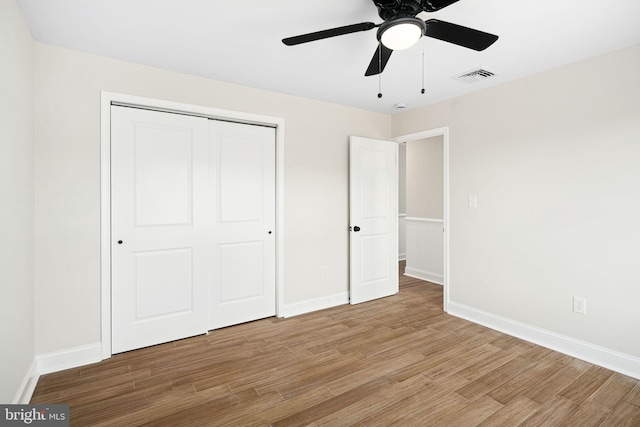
(27, 386)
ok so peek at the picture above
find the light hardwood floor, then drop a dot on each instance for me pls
(395, 361)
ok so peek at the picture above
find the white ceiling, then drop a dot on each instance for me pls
(240, 42)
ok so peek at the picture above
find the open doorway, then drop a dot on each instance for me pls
(423, 206)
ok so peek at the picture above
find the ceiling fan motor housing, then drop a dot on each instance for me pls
(392, 9)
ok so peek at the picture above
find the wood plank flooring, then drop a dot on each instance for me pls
(397, 361)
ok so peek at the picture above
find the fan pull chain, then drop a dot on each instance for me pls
(422, 91)
(379, 70)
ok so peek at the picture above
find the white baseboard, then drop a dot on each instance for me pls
(70, 358)
(429, 276)
(27, 386)
(402, 257)
(610, 359)
(316, 304)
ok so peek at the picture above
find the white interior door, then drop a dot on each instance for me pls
(373, 209)
(160, 227)
(243, 286)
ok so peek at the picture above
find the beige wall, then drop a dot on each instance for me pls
(425, 178)
(16, 197)
(554, 161)
(68, 85)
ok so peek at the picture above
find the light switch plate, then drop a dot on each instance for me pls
(473, 201)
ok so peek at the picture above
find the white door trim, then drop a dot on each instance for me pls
(108, 98)
(444, 132)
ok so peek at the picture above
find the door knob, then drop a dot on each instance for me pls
(356, 228)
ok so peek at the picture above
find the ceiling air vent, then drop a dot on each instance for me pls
(475, 76)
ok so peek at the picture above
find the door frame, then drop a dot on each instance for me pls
(109, 98)
(444, 132)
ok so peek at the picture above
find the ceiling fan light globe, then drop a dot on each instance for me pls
(401, 36)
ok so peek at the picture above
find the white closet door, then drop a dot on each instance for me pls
(243, 253)
(160, 227)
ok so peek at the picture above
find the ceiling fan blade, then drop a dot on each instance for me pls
(379, 60)
(325, 34)
(457, 34)
(434, 5)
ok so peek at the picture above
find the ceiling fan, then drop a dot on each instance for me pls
(401, 29)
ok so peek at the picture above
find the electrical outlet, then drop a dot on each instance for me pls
(324, 271)
(580, 305)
